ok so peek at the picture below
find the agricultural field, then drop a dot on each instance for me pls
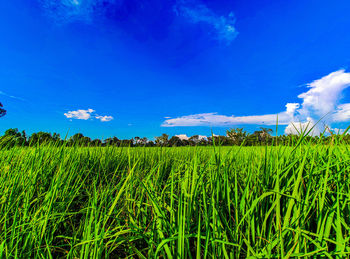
(179, 202)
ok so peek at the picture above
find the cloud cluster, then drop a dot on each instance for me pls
(222, 26)
(324, 94)
(322, 99)
(86, 115)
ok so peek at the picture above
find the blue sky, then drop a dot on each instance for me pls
(141, 68)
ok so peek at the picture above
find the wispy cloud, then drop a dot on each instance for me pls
(86, 115)
(222, 26)
(65, 11)
(218, 26)
(11, 96)
(321, 99)
(215, 119)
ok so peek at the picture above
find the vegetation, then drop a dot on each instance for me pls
(183, 202)
(288, 196)
(2, 110)
(234, 137)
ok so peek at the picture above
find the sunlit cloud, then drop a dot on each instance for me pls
(79, 114)
(324, 94)
(86, 115)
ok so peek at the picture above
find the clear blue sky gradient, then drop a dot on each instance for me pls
(140, 61)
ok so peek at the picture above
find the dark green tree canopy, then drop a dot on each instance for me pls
(2, 110)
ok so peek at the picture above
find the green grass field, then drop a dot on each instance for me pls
(223, 202)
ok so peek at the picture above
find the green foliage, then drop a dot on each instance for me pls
(162, 140)
(2, 110)
(234, 137)
(184, 202)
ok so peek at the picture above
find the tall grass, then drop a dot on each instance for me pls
(225, 202)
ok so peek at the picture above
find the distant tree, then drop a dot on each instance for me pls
(175, 141)
(12, 138)
(140, 141)
(236, 136)
(24, 134)
(40, 138)
(194, 140)
(79, 140)
(162, 140)
(265, 135)
(252, 139)
(12, 132)
(144, 141)
(127, 143)
(96, 143)
(197, 140)
(2, 110)
(112, 141)
(150, 143)
(137, 140)
(56, 137)
(262, 136)
(219, 140)
(266, 131)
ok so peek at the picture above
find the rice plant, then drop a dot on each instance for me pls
(184, 202)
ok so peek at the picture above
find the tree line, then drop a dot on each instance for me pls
(235, 136)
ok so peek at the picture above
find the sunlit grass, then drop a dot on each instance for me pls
(189, 202)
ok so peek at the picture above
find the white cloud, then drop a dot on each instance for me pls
(342, 113)
(324, 94)
(296, 128)
(222, 26)
(104, 118)
(291, 108)
(214, 119)
(79, 114)
(321, 99)
(86, 114)
(182, 136)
